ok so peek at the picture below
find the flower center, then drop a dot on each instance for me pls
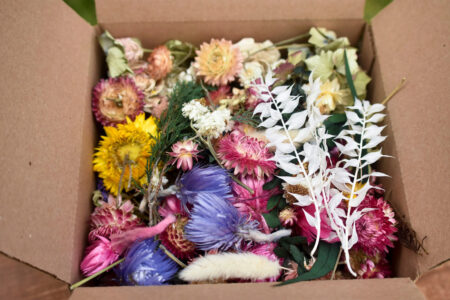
(129, 153)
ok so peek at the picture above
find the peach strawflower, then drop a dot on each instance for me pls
(183, 153)
(159, 63)
(115, 99)
(218, 62)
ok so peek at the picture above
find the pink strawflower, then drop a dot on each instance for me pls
(246, 155)
(99, 255)
(326, 232)
(253, 205)
(109, 219)
(183, 153)
(376, 228)
(171, 206)
(267, 251)
(370, 269)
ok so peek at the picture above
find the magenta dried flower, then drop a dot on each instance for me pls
(99, 255)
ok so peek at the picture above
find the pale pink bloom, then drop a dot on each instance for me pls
(99, 255)
(287, 217)
(133, 51)
(246, 155)
(183, 153)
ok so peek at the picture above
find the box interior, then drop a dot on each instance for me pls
(52, 61)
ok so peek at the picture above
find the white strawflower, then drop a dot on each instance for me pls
(251, 71)
(194, 110)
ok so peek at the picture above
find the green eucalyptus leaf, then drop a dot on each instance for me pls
(373, 7)
(296, 240)
(348, 75)
(117, 63)
(327, 255)
(335, 119)
(272, 219)
(273, 201)
(281, 205)
(281, 252)
(272, 184)
(296, 254)
(84, 8)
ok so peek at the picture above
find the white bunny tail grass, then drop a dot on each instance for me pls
(230, 265)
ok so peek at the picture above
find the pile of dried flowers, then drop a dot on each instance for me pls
(239, 162)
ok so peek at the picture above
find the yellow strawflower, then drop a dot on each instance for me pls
(125, 148)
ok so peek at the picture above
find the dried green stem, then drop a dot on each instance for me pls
(395, 91)
(336, 264)
(83, 281)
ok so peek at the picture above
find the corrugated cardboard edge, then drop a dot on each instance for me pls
(412, 39)
(45, 135)
(398, 288)
(135, 11)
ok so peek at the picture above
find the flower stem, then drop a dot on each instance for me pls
(336, 264)
(283, 42)
(171, 256)
(147, 50)
(395, 91)
(83, 281)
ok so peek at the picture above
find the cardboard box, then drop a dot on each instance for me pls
(51, 61)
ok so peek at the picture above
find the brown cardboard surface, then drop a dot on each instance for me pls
(434, 284)
(141, 11)
(412, 40)
(398, 288)
(156, 33)
(46, 133)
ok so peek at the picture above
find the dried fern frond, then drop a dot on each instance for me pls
(362, 136)
(310, 131)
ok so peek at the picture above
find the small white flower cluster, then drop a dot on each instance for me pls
(208, 124)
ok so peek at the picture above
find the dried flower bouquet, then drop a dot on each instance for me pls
(236, 162)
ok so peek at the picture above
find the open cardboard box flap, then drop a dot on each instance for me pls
(47, 75)
(51, 62)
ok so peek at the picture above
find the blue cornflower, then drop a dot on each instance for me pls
(146, 264)
(210, 179)
(216, 224)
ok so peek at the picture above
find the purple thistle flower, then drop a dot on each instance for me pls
(102, 189)
(216, 224)
(209, 179)
(146, 264)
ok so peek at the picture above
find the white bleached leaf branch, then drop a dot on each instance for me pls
(361, 136)
(308, 167)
